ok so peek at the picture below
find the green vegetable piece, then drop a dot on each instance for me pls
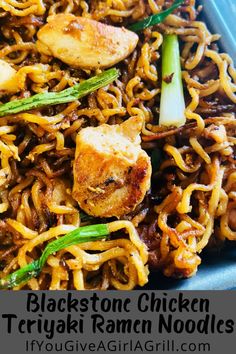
(68, 95)
(172, 106)
(154, 19)
(80, 235)
(20, 276)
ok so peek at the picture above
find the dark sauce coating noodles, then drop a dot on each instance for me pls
(192, 201)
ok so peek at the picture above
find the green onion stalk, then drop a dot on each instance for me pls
(80, 235)
(172, 106)
(154, 19)
(68, 95)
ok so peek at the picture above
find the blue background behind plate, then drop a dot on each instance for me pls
(220, 16)
(218, 269)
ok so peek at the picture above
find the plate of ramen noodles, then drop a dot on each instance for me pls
(117, 144)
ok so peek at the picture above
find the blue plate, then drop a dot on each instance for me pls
(217, 272)
(218, 269)
(220, 16)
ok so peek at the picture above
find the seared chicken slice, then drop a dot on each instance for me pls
(85, 43)
(111, 171)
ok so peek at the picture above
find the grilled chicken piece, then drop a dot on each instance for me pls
(8, 82)
(111, 171)
(85, 43)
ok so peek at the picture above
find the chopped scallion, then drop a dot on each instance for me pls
(172, 106)
(80, 235)
(154, 19)
(68, 95)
